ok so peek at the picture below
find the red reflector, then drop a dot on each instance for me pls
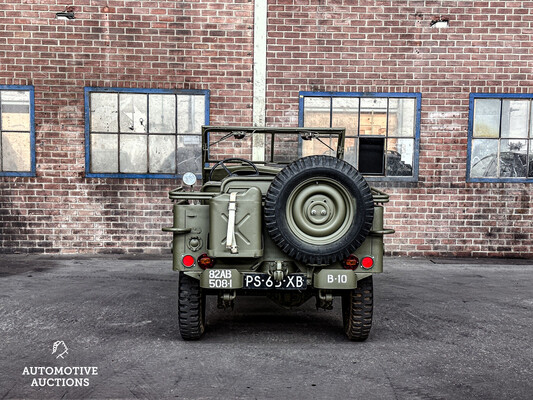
(204, 261)
(188, 261)
(367, 262)
(351, 262)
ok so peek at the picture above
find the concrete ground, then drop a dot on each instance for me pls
(443, 329)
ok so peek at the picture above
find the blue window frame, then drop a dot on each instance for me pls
(500, 138)
(17, 130)
(382, 129)
(144, 133)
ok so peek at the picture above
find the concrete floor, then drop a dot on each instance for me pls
(443, 329)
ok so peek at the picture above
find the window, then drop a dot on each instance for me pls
(382, 129)
(17, 132)
(500, 138)
(147, 133)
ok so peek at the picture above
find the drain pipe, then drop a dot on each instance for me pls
(259, 81)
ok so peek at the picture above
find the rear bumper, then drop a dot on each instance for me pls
(230, 279)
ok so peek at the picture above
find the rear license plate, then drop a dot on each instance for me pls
(265, 281)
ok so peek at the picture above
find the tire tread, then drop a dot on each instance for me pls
(191, 308)
(357, 310)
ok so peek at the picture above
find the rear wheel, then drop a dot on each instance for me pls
(357, 308)
(191, 308)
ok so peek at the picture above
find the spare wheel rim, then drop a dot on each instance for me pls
(320, 211)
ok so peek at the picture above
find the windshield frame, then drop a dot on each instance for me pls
(315, 133)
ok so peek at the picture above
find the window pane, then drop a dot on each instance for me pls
(133, 154)
(162, 154)
(15, 110)
(530, 166)
(191, 114)
(316, 112)
(400, 154)
(487, 118)
(402, 117)
(326, 146)
(189, 154)
(162, 113)
(16, 153)
(350, 151)
(531, 121)
(104, 114)
(484, 158)
(373, 119)
(133, 113)
(104, 153)
(515, 118)
(513, 158)
(371, 152)
(346, 114)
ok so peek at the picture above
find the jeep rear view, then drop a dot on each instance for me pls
(279, 213)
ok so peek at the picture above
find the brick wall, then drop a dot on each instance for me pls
(389, 46)
(145, 44)
(328, 45)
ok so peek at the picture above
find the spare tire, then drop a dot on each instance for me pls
(319, 210)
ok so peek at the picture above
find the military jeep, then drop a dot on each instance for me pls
(279, 213)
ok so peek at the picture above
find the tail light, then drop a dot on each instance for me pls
(188, 261)
(367, 262)
(205, 262)
(351, 262)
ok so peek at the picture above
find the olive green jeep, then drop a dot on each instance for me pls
(279, 213)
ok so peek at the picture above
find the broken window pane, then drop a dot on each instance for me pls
(373, 119)
(402, 113)
(104, 153)
(370, 120)
(133, 113)
(191, 113)
(484, 158)
(189, 154)
(317, 112)
(15, 110)
(515, 118)
(513, 158)
(162, 118)
(371, 154)
(104, 113)
(487, 118)
(346, 114)
(147, 126)
(133, 154)
(400, 153)
(162, 154)
(16, 152)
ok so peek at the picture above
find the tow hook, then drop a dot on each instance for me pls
(279, 272)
